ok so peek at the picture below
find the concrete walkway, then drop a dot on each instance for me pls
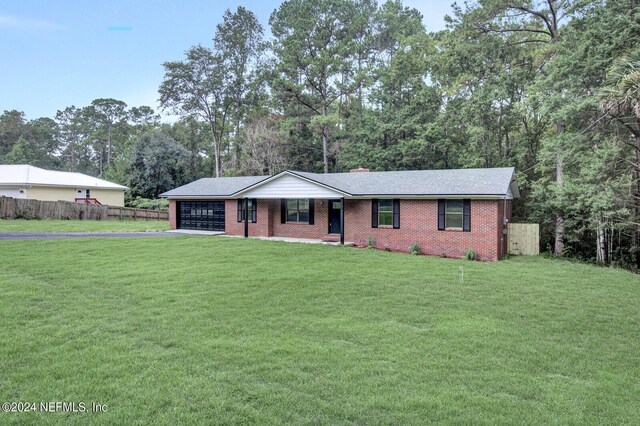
(293, 240)
(193, 232)
(49, 235)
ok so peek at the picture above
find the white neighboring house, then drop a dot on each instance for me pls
(29, 182)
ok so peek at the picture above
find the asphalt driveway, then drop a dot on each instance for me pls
(47, 235)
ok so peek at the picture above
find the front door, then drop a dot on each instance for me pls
(334, 216)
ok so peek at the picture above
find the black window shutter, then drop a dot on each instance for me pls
(283, 210)
(396, 214)
(441, 213)
(374, 213)
(254, 210)
(311, 210)
(466, 215)
(240, 201)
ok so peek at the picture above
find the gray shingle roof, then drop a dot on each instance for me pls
(480, 182)
(214, 187)
(494, 181)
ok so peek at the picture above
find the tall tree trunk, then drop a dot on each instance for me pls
(109, 145)
(216, 147)
(325, 156)
(237, 146)
(601, 244)
(559, 242)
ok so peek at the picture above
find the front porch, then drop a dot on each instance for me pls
(301, 219)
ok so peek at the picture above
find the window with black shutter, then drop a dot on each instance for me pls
(454, 214)
(385, 213)
(253, 208)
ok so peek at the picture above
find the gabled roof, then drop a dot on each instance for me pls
(25, 175)
(214, 187)
(489, 182)
(493, 181)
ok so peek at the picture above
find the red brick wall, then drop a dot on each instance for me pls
(319, 229)
(262, 227)
(172, 214)
(419, 223)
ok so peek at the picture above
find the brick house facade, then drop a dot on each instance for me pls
(418, 224)
(415, 218)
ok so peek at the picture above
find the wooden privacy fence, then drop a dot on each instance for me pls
(523, 238)
(17, 208)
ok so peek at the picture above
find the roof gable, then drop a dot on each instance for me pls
(290, 185)
(214, 187)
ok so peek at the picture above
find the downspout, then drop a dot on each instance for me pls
(504, 225)
(246, 217)
(342, 221)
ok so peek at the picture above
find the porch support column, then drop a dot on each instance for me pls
(342, 221)
(246, 217)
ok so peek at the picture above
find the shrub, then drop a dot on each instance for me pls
(471, 254)
(415, 249)
(161, 204)
(371, 243)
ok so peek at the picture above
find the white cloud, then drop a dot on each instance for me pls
(28, 24)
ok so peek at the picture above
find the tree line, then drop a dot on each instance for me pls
(551, 87)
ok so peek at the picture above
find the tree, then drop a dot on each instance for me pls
(621, 101)
(239, 42)
(263, 152)
(157, 165)
(534, 22)
(12, 127)
(76, 152)
(199, 86)
(315, 51)
(105, 114)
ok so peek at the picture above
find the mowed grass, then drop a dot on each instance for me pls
(217, 330)
(47, 225)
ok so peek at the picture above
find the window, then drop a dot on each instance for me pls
(453, 215)
(88, 193)
(385, 212)
(253, 207)
(298, 210)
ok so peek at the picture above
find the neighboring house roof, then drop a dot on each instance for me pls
(489, 182)
(24, 175)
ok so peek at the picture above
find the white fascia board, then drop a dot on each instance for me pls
(432, 196)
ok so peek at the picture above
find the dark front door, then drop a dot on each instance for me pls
(334, 216)
(202, 215)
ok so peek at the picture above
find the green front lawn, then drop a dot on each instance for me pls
(189, 330)
(46, 225)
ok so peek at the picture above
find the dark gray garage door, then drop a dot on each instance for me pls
(204, 215)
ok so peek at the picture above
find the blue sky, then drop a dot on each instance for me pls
(61, 53)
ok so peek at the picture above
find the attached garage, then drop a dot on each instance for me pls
(202, 215)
